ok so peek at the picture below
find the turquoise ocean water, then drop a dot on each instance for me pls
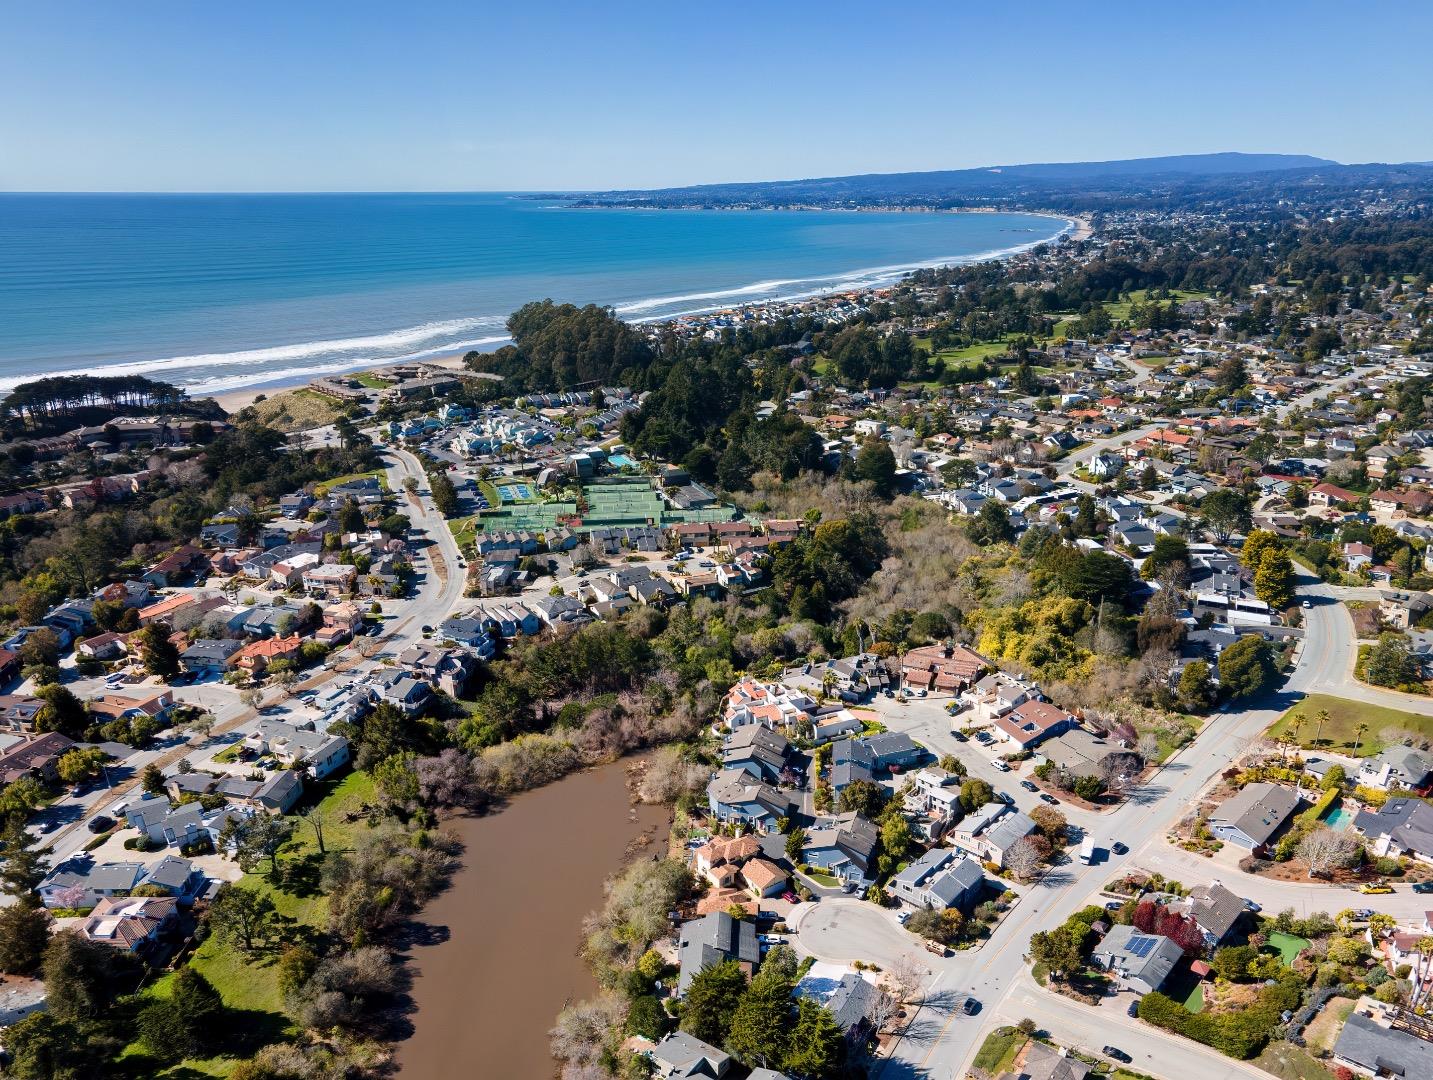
(217, 292)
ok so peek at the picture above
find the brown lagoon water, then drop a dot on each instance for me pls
(486, 997)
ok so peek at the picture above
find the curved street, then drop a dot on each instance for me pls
(941, 1040)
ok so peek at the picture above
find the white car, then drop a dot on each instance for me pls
(903, 918)
(1002, 766)
(1308, 604)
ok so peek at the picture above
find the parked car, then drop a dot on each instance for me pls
(771, 939)
(1371, 889)
(1423, 886)
(1002, 766)
(1307, 604)
(1028, 786)
(959, 736)
(1118, 848)
(100, 823)
(1133, 1009)
(1118, 1054)
(1046, 797)
(903, 918)
(790, 897)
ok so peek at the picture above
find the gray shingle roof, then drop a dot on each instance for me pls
(1383, 1050)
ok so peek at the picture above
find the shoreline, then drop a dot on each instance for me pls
(1076, 229)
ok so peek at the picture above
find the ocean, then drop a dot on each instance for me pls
(220, 292)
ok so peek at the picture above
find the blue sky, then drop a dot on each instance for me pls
(312, 95)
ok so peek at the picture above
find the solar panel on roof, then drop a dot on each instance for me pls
(1140, 946)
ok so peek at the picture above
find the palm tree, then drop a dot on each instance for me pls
(1323, 718)
(1359, 732)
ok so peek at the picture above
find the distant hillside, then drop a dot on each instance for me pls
(1071, 186)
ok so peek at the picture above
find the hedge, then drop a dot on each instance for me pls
(1310, 817)
(1240, 1034)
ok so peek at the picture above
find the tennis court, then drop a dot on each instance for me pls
(614, 502)
(515, 493)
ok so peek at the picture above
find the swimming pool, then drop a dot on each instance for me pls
(621, 461)
(1338, 819)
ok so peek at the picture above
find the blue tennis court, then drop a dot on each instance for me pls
(514, 492)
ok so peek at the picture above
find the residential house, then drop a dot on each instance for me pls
(945, 668)
(209, 656)
(1143, 961)
(719, 860)
(255, 657)
(756, 750)
(18, 711)
(447, 670)
(1031, 722)
(834, 724)
(851, 1000)
(83, 885)
(322, 754)
(167, 609)
(1251, 817)
(34, 757)
(156, 706)
(940, 879)
(329, 579)
(734, 796)
(990, 832)
(763, 878)
(1398, 767)
(934, 799)
(680, 1056)
(843, 846)
(133, 923)
(103, 647)
(180, 878)
(1215, 910)
(179, 826)
(1374, 1049)
(714, 939)
(1399, 827)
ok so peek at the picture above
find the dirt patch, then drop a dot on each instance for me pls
(1323, 1030)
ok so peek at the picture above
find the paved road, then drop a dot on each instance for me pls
(941, 1041)
(439, 589)
(1091, 1030)
(1331, 633)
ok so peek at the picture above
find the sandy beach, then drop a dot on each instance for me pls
(234, 400)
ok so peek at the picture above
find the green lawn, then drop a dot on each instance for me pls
(998, 1051)
(1340, 732)
(322, 489)
(1288, 946)
(372, 381)
(829, 881)
(249, 982)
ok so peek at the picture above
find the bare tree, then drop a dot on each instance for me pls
(313, 818)
(1023, 858)
(582, 1029)
(906, 978)
(883, 1008)
(251, 697)
(669, 776)
(1327, 849)
(1148, 746)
